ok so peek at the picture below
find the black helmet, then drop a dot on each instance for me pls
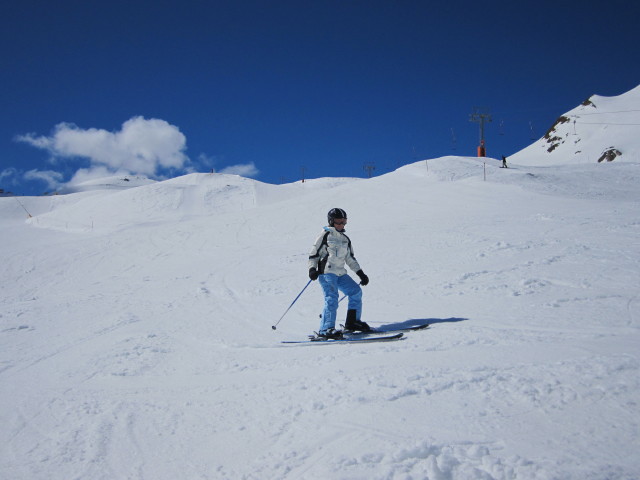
(335, 213)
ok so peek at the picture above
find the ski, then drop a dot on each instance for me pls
(385, 331)
(386, 338)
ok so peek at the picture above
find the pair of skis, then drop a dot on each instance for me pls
(384, 335)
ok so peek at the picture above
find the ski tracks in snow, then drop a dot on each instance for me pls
(143, 350)
(385, 425)
(354, 438)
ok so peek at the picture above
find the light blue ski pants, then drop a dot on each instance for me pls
(331, 284)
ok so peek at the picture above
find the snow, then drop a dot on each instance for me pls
(136, 340)
(586, 132)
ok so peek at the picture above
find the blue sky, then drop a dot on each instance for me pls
(265, 88)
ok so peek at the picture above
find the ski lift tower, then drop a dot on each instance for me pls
(369, 167)
(480, 116)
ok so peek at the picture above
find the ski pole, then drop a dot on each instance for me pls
(305, 287)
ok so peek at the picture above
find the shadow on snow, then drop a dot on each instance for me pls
(413, 322)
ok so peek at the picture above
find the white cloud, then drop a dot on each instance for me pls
(244, 170)
(149, 147)
(51, 178)
(93, 173)
(8, 173)
(206, 161)
(141, 146)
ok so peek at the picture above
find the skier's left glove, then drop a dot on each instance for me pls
(364, 280)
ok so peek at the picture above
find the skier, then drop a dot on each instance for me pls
(504, 162)
(327, 258)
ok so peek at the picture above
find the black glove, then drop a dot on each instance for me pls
(363, 278)
(313, 273)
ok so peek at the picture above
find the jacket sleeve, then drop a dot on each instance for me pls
(314, 254)
(351, 260)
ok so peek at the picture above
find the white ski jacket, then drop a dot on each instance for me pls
(331, 251)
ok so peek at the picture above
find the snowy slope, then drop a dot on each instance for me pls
(601, 129)
(135, 337)
(171, 201)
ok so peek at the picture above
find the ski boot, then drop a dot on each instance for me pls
(354, 325)
(329, 334)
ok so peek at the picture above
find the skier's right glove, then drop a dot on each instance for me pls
(313, 273)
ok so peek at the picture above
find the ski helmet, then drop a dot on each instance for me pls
(335, 213)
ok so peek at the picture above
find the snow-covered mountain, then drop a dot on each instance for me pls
(136, 340)
(601, 129)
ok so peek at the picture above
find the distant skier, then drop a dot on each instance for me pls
(504, 162)
(327, 259)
